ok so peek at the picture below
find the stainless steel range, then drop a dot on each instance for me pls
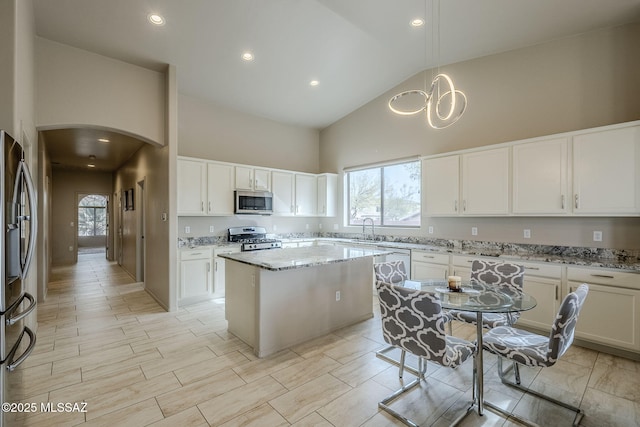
(252, 238)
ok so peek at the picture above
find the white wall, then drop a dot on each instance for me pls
(78, 88)
(575, 83)
(212, 132)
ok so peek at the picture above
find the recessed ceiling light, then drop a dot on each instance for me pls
(91, 165)
(156, 19)
(247, 56)
(314, 83)
(418, 22)
(103, 140)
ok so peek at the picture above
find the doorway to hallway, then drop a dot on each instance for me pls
(93, 224)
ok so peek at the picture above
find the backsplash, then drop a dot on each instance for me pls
(477, 247)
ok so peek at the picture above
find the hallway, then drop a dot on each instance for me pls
(103, 340)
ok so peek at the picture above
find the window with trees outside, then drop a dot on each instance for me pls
(389, 195)
(92, 216)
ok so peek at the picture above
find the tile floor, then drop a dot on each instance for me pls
(104, 341)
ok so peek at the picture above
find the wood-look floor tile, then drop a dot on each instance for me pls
(603, 409)
(93, 359)
(356, 406)
(264, 415)
(261, 367)
(236, 402)
(176, 361)
(304, 371)
(360, 370)
(39, 379)
(198, 392)
(348, 350)
(211, 366)
(138, 414)
(187, 418)
(312, 420)
(100, 385)
(309, 397)
(136, 392)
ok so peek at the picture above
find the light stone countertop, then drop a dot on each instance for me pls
(291, 258)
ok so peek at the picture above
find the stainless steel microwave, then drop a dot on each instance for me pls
(253, 202)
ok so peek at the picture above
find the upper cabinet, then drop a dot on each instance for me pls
(327, 194)
(441, 185)
(283, 188)
(306, 195)
(606, 172)
(540, 178)
(220, 186)
(204, 188)
(192, 187)
(485, 182)
(248, 178)
(594, 172)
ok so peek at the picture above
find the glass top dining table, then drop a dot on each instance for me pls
(477, 297)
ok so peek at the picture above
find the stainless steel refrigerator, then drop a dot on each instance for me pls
(17, 243)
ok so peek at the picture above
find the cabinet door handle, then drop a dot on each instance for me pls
(562, 201)
(464, 205)
(556, 292)
(202, 206)
(532, 268)
(215, 266)
(209, 206)
(208, 267)
(603, 276)
(428, 256)
(576, 203)
(455, 205)
(197, 253)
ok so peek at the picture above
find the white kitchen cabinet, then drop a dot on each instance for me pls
(540, 178)
(485, 182)
(249, 178)
(543, 282)
(306, 195)
(606, 172)
(429, 265)
(327, 194)
(196, 276)
(283, 188)
(219, 269)
(611, 312)
(441, 185)
(461, 266)
(191, 186)
(220, 186)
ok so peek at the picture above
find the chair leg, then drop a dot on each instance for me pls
(402, 356)
(516, 384)
(381, 354)
(383, 404)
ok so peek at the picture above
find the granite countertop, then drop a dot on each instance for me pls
(290, 258)
(615, 259)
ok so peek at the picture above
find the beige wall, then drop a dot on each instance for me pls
(65, 187)
(211, 132)
(80, 88)
(574, 83)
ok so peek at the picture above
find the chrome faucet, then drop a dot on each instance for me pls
(373, 232)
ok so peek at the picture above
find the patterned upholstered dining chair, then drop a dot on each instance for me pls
(508, 277)
(413, 321)
(530, 349)
(391, 272)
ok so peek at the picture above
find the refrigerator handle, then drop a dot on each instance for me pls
(23, 170)
(11, 320)
(13, 364)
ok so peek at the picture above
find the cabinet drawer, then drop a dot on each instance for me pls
(203, 253)
(226, 250)
(540, 269)
(604, 277)
(430, 257)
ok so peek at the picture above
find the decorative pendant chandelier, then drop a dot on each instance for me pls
(442, 103)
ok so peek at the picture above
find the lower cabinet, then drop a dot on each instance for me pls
(543, 282)
(428, 265)
(196, 275)
(611, 312)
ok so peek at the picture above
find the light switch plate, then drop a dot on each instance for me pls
(597, 236)
(431, 229)
(212, 229)
(474, 231)
(187, 229)
(527, 233)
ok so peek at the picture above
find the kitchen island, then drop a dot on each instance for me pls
(282, 297)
